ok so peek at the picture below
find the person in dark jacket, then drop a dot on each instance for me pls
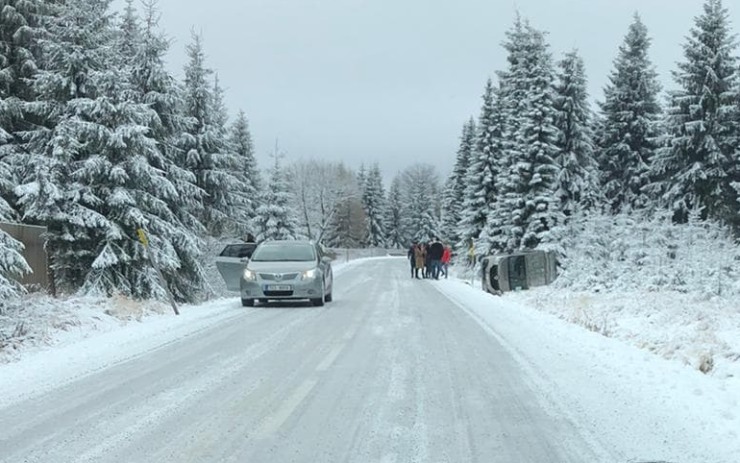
(436, 251)
(427, 261)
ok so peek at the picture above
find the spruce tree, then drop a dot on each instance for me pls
(373, 201)
(77, 50)
(21, 26)
(630, 114)
(345, 226)
(129, 35)
(153, 85)
(96, 175)
(697, 166)
(275, 218)
(421, 217)
(394, 216)
(577, 184)
(454, 195)
(247, 173)
(528, 210)
(511, 95)
(205, 146)
(481, 189)
(232, 197)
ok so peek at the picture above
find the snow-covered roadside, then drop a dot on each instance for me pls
(650, 407)
(72, 338)
(694, 330)
(82, 351)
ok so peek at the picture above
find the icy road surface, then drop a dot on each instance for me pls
(392, 371)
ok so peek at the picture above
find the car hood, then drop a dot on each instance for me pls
(280, 267)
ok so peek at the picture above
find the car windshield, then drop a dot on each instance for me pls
(284, 253)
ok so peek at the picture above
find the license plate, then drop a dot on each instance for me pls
(278, 288)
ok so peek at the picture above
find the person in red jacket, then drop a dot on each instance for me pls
(446, 257)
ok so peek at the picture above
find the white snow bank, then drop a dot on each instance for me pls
(87, 339)
(642, 406)
(694, 330)
(61, 340)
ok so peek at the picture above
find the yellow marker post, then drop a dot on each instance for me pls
(143, 239)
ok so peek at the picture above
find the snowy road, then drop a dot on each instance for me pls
(392, 371)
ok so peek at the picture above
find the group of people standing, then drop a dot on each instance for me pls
(432, 259)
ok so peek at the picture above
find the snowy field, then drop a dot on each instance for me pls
(691, 329)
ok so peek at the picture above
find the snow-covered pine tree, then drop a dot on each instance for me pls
(630, 114)
(20, 27)
(232, 197)
(129, 35)
(247, 173)
(481, 190)
(374, 203)
(12, 263)
(73, 50)
(454, 192)
(420, 188)
(362, 178)
(345, 227)
(578, 170)
(205, 145)
(529, 181)
(94, 183)
(511, 94)
(151, 84)
(699, 162)
(275, 218)
(394, 216)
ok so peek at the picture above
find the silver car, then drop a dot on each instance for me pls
(287, 270)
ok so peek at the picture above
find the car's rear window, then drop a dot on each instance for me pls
(284, 253)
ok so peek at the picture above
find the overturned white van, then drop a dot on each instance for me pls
(517, 271)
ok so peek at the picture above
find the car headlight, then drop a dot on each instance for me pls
(309, 274)
(249, 275)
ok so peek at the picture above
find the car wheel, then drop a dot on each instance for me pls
(247, 302)
(328, 297)
(318, 302)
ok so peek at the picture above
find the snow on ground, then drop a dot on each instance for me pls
(610, 387)
(49, 342)
(693, 330)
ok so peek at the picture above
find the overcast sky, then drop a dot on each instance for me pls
(392, 81)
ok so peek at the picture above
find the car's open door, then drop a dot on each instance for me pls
(231, 263)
